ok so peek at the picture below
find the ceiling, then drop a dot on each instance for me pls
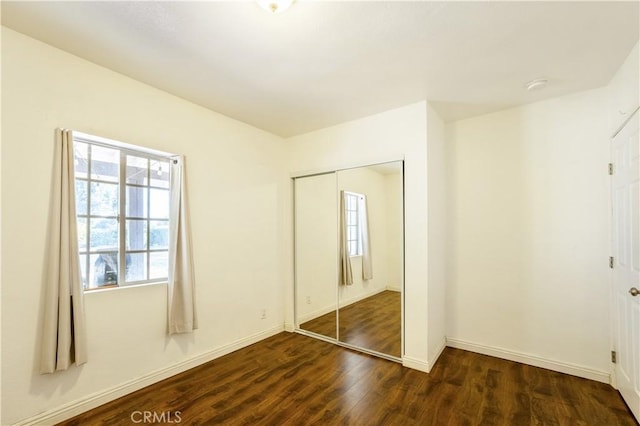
(323, 62)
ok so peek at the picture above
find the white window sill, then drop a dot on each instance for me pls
(116, 287)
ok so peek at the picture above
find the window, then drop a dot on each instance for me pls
(122, 206)
(352, 215)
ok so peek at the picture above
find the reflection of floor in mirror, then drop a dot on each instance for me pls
(289, 379)
(372, 323)
(324, 325)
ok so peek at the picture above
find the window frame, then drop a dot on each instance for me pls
(121, 216)
(356, 197)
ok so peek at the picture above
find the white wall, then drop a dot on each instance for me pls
(238, 191)
(529, 236)
(395, 134)
(624, 90)
(437, 232)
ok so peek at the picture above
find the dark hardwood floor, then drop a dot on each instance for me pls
(372, 323)
(290, 379)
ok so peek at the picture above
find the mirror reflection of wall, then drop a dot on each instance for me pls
(316, 253)
(349, 259)
(371, 229)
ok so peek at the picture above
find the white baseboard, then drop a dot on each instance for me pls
(534, 360)
(394, 288)
(79, 406)
(433, 359)
(422, 365)
(289, 327)
(416, 364)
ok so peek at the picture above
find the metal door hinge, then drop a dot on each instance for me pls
(613, 357)
(611, 168)
(611, 262)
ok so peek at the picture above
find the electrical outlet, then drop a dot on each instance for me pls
(308, 300)
(264, 314)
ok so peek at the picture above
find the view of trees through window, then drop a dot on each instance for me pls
(122, 206)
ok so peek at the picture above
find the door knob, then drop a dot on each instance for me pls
(634, 291)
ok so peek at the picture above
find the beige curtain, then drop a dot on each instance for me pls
(64, 337)
(346, 276)
(367, 267)
(182, 303)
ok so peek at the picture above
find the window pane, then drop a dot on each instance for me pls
(136, 234)
(159, 203)
(136, 201)
(83, 269)
(137, 170)
(159, 264)
(136, 267)
(159, 236)
(352, 248)
(352, 219)
(352, 204)
(145, 195)
(104, 199)
(80, 160)
(105, 163)
(103, 269)
(81, 196)
(160, 173)
(353, 233)
(82, 233)
(103, 234)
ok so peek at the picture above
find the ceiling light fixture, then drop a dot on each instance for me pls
(275, 6)
(538, 83)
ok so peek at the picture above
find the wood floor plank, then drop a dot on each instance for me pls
(290, 379)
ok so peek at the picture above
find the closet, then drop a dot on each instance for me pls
(349, 257)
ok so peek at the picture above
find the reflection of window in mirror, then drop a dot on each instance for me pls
(352, 213)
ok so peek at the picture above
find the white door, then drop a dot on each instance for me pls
(626, 253)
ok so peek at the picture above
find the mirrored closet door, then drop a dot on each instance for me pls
(316, 242)
(371, 231)
(349, 260)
